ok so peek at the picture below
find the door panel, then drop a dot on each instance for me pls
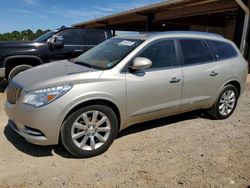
(153, 94)
(201, 85)
(73, 45)
(67, 52)
(201, 75)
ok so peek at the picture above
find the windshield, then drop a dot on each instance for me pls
(46, 36)
(107, 54)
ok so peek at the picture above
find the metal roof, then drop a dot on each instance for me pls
(145, 8)
(162, 12)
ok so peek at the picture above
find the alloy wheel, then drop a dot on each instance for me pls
(90, 130)
(227, 102)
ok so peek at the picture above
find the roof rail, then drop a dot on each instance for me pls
(189, 32)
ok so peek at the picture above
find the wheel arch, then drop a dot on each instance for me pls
(233, 82)
(105, 102)
(236, 84)
(13, 61)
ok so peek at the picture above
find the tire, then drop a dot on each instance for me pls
(81, 122)
(16, 70)
(216, 112)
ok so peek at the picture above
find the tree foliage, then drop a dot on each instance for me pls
(23, 35)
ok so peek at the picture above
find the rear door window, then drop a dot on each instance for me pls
(222, 50)
(71, 37)
(93, 37)
(195, 51)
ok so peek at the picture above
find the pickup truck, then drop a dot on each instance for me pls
(59, 44)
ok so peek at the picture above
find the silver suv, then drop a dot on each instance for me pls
(124, 81)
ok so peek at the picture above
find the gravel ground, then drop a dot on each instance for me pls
(187, 150)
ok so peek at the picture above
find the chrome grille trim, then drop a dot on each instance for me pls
(13, 92)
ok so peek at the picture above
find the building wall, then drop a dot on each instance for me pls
(248, 58)
(227, 31)
(218, 30)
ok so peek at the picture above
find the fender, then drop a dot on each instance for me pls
(88, 98)
(233, 79)
(22, 57)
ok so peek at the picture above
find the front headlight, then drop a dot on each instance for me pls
(45, 96)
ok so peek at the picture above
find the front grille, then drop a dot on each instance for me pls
(13, 92)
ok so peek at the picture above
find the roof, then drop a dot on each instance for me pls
(145, 36)
(66, 28)
(140, 36)
(145, 8)
(164, 12)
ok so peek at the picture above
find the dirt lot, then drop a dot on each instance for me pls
(182, 151)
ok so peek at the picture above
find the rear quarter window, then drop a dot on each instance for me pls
(222, 50)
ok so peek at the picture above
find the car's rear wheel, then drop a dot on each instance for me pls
(225, 104)
(89, 131)
(16, 70)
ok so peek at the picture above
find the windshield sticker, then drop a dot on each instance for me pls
(126, 43)
(109, 65)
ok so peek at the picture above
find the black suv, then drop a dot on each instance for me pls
(59, 44)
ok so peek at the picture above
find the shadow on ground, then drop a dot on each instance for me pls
(43, 151)
(3, 85)
(161, 122)
(34, 150)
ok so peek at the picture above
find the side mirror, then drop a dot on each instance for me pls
(141, 63)
(56, 42)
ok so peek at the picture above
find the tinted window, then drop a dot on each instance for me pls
(45, 36)
(222, 50)
(162, 54)
(71, 37)
(195, 51)
(93, 37)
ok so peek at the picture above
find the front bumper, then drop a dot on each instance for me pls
(25, 134)
(2, 72)
(44, 119)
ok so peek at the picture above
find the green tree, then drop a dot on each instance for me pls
(22, 35)
(39, 32)
(16, 35)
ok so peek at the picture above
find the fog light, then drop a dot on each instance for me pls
(32, 131)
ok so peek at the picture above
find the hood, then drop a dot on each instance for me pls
(19, 48)
(18, 44)
(56, 74)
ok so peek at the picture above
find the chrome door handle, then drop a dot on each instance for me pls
(213, 73)
(78, 50)
(175, 80)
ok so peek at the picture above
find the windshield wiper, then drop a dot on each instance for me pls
(82, 63)
(88, 65)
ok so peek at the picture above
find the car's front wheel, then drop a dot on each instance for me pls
(225, 104)
(89, 131)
